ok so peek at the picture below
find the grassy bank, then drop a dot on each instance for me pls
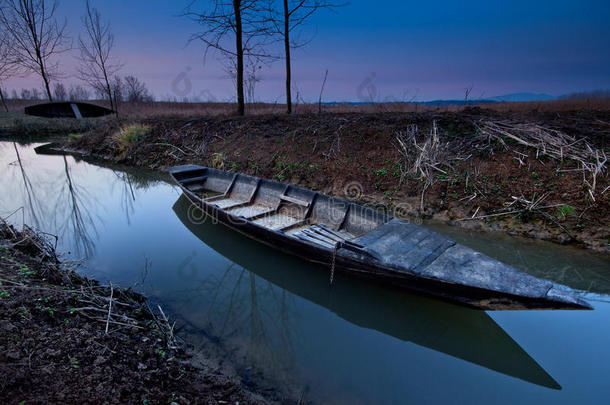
(19, 124)
(67, 339)
(539, 174)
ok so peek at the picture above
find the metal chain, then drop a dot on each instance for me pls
(332, 266)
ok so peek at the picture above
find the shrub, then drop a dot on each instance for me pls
(130, 135)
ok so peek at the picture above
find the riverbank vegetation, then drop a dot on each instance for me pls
(535, 173)
(65, 338)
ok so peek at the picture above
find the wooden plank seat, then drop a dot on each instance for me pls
(192, 180)
(294, 200)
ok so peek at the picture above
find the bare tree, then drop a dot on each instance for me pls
(35, 93)
(237, 29)
(8, 65)
(36, 36)
(135, 90)
(294, 14)
(118, 90)
(78, 93)
(59, 91)
(26, 94)
(96, 66)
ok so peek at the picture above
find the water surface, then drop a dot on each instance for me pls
(276, 316)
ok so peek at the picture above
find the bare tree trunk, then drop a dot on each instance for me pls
(45, 78)
(3, 100)
(108, 91)
(240, 58)
(287, 51)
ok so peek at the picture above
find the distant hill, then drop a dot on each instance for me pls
(524, 97)
(514, 97)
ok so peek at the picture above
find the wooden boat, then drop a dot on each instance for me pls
(363, 242)
(67, 109)
(458, 331)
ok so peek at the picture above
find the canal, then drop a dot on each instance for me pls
(277, 321)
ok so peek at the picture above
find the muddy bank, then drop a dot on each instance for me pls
(67, 339)
(536, 174)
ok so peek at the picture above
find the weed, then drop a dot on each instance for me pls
(129, 135)
(382, 172)
(217, 160)
(234, 166)
(564, 211)
(279, 177)
(74, 363)
(26, 271)
(161, 353)
(5, 294)
(535, 175)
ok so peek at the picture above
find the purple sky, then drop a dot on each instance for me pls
(388, 50)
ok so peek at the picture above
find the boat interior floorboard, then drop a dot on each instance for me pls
(227, 202)
(276, 221)
(248, 210)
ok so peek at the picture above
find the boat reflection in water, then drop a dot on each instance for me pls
(461, 332)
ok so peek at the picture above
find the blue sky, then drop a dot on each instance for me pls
(389, 50)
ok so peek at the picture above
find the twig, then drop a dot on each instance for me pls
(109, 308)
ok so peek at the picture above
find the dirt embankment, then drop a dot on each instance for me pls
(66, 339)
(536, 174)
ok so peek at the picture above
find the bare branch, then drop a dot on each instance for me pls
(96, 66)
(36, 37)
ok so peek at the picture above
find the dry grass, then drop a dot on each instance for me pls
(164, 108)
(129, 135)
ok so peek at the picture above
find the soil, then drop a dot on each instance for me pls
(357, 156)
(55, 348)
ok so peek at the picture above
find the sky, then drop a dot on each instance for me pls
(373, 50)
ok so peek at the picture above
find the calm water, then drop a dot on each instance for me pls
(276, 316)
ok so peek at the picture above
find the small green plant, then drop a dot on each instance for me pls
(535, 175)
(161, 353)
(74, 363)
(5, 294)
(564, 211)
(279, 177)
(26, 271)
(382, 172)
(129, 135)
(234, 166)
